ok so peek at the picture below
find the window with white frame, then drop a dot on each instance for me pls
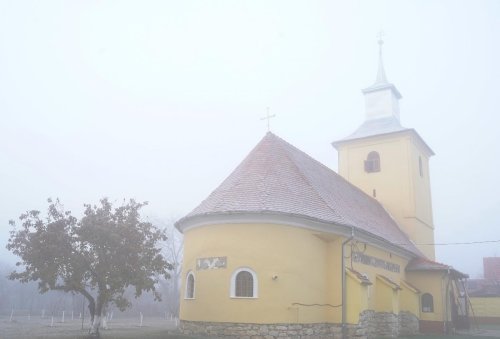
(244, 283)
(189, 286)
(427, 303)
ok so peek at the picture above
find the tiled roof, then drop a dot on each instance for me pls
(483, 288)
(423, 264)
(276, 177)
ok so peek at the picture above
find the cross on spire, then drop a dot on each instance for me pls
(380, 35)
(381, 78)
(268, 118)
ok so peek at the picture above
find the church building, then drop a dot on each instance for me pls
(286, 247)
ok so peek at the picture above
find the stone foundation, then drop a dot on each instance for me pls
(371, 324)
(408, 324)
(389, 325)
(386, 324)
(268, 331)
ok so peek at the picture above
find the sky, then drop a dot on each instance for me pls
(160, 100)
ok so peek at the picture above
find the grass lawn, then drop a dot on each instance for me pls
(22, 328)
(153, 327)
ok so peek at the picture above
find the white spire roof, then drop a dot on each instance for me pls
(381, 77)
(381, 83)
(381, 109)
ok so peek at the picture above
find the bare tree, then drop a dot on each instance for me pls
(173, 252)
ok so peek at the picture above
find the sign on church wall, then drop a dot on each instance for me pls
(376, 262)
(211, 263)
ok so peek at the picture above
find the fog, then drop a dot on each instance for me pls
(160, 100)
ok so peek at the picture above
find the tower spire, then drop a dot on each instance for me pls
(381, 78)
(381, 98)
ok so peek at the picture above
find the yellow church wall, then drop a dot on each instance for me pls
(296, 256)
(435, 284)
(387, 297)
(357, 299)
(421, 227)
(371, 272)
(423, 235)
(307, 267)
(421, 183)
(398, 185)
(409, 299)
(334, 278)
(362, 297)
(390, 183)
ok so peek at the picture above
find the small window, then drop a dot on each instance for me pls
(190, 286)
(244, 284)
(420, 168)
(427, 303)
(372, 162)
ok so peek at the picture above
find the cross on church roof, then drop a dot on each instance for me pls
(268, 118)
(380, 35)
(381, 78)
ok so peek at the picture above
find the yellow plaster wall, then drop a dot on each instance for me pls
(297, 256)
(399, 186)
(409, 300)
(308, 266)
(421, 184)
(334, 278)
(363, 297)
(387, 298)
(391, 183)
(434, 284)
(486, 307)
(356, 299)
(371, 272)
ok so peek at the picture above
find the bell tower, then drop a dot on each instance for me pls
(390, 162)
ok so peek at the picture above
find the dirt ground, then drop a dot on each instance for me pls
(36, 327)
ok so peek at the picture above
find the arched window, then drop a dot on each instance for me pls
(244, 283)
(189, 286)
(427, 303)
(372, 162)
(420, 168)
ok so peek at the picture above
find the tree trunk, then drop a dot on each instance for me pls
(96, 323)
(94, 328)
(104, 319)
(91, 310)
(91, 301)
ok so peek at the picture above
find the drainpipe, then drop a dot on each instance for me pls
(444, 291)
(448, 300)
(344, 294)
